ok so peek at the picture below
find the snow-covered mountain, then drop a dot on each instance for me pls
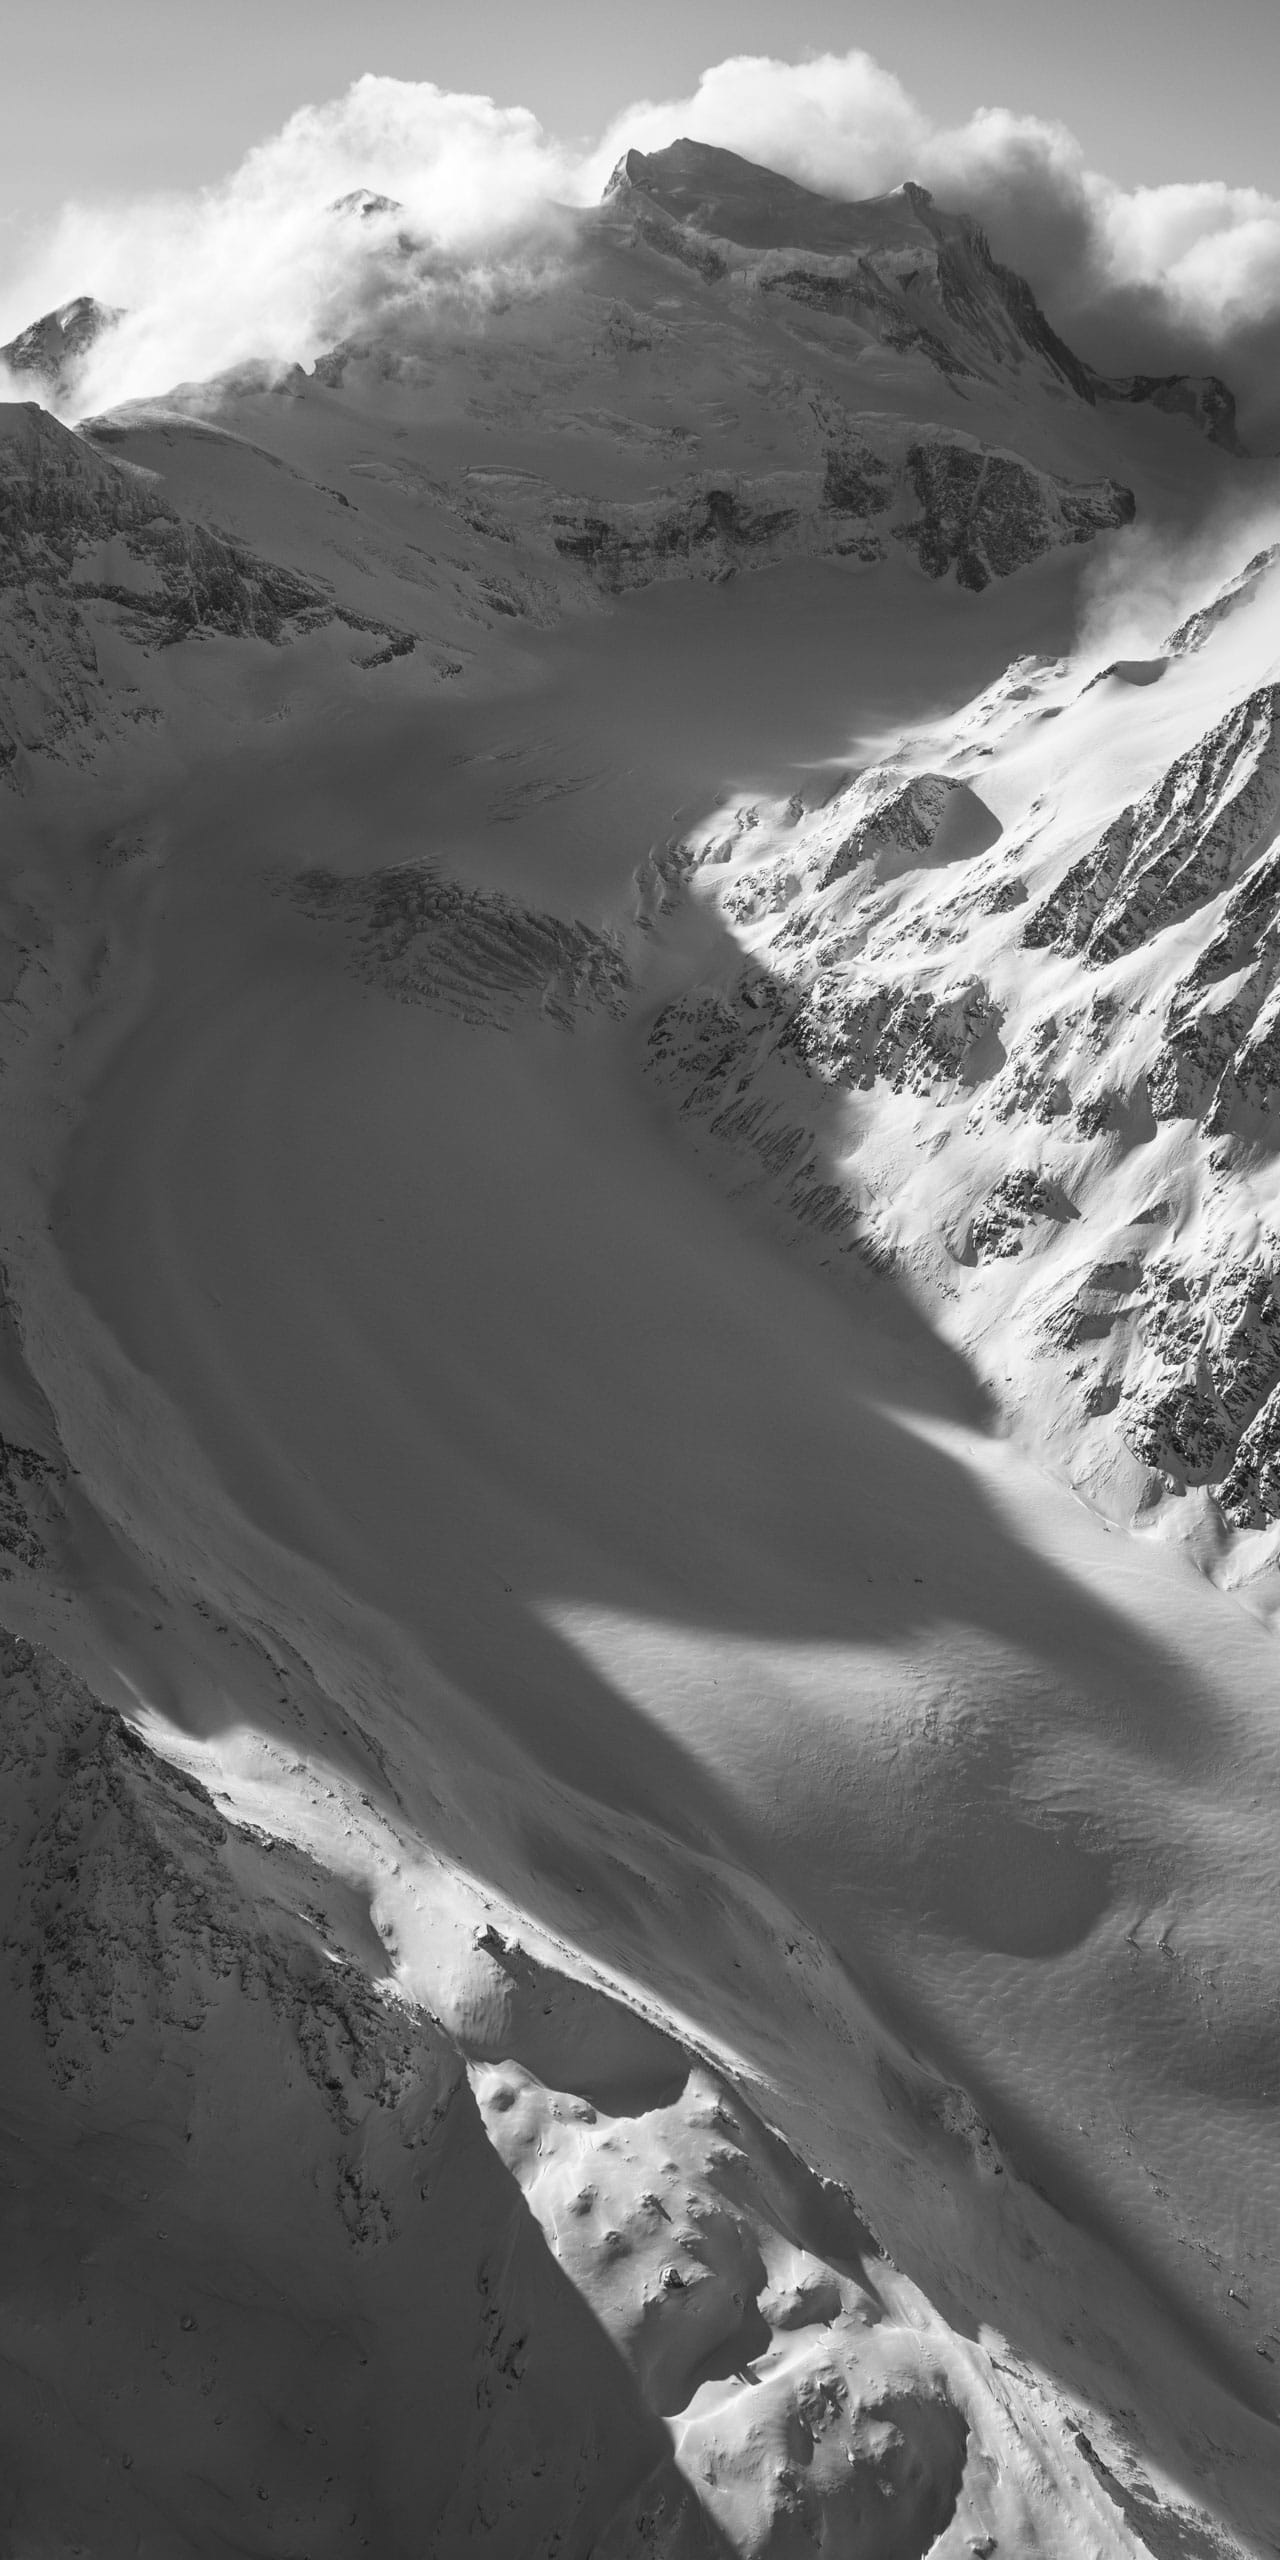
(1050, 954)
(897, 270)
(639, 1443)
(52, 349)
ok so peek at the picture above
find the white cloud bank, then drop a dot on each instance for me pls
(1155, 278)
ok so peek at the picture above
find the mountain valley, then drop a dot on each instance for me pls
(640, 1415)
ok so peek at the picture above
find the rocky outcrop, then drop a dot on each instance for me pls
(986, 514)
(52, 349)
(1250, 1492)
(1240, 590)
(956, 504)
(1211, 1335)
(722, 1058)
(857, 480)
(932, 818)
(1189, 837)
(279, 2224)
(998, 1228)
(474, 953)
(878, 972)
(823, 1013)
(897, 268)
(62, 504)
(711, 527)
(1202, 397)
(365, 203)
(922, 280)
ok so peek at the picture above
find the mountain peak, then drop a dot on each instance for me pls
(51, 347)
(896, 267)
(366, 202)
(718, 192)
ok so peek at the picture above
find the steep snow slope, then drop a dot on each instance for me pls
(546, 1594)
(1047, 951)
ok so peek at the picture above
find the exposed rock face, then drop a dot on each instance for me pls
(875, 968)
(919, 279)
(79, 531)
(903, 1038)
(1016, 1202)
(1241, 590)
(886, 260)
(955, 504)
(309, 2248)
(476, 954)
(786, 464)
(53, 347)
(709, 530)
(314, 2208)
(365, 203)
(1189, 837)
(1207, 826)
(292, 2201)
(933, 818)
(716, 1055)
(825, 1005)
(708, 2285)
(1212, 1340)
(29, 1505)
(1250, 1492)
(1202, 397)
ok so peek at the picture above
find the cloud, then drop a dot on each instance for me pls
(1148, 279)
(1139, 586)
(263, 267)
(1178, 277)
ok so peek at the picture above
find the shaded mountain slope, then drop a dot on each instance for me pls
(635, 1885)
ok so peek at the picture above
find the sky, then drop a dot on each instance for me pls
(151, 93)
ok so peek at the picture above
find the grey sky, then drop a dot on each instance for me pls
(151, 93)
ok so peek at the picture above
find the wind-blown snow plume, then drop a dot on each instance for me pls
(1137, 589)
(1158, 278)
(270, 265)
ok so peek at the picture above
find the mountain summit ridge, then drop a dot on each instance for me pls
(53, 348)
(928, 277)
(916, 278)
